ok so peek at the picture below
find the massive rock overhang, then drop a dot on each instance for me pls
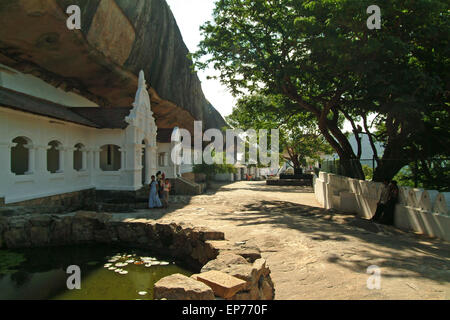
(34, 39)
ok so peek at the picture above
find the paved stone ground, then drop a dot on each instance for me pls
(315, 253)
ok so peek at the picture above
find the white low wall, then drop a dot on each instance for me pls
(424, 211)
(228, 177)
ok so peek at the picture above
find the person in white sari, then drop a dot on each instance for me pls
(153, 200)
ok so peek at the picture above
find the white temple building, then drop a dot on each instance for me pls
(54, 142)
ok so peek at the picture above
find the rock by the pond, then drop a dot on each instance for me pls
(224, 260)
(256, 276)
(250, 253)
(223, 284)
(180, 287)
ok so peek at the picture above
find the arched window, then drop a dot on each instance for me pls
(21, 156)
(110, 158)
(54, 157)
(79, 157)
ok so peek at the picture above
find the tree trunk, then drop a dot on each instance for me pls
(348, 160)
(352, 168)
(387, 169)
(393, 160)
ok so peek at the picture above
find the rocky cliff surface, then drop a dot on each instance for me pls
(118, 38)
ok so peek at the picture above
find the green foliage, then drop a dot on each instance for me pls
(210, 170)
(321, 56)
(299, 135)
(368, 172)
(431, 174)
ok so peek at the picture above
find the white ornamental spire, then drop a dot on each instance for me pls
(141, 84)
(141, 88)
(141, 104)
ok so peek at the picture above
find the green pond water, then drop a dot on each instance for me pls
(40, 273)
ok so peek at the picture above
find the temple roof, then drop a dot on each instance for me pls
(23, 102)
(101, 118)
(105, 118)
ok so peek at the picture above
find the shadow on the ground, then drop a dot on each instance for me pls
(152, 214)
(256, 186)
(426, 257)
(387, 247)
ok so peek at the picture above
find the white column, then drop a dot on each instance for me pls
(6, 176)
(70, 155)
(62, 158)
(83, 159)
(5, 156)
(89, 160)
(148, 163)
(96, 157)
(122, 158)
(132, 170)
(31, 158)
(153, 158)
(90, 164)
(41, 159)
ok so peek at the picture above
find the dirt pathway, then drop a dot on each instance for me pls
(318, 254)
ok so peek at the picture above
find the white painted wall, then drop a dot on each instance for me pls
(424, 211)
(40, 130)
(169, 168)
(39, 182)
(228, 177)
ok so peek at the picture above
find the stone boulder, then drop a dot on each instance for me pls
(256, 276)
(224, 260)
(250, 253)
(259, 285)
(223, 285)
(180, 287)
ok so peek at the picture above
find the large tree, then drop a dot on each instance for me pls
(322, 56)
(298, 132)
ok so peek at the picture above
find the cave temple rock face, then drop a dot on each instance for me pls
(118, 38)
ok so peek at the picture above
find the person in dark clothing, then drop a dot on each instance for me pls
(381, 205)
(159, 186)
(388, 216)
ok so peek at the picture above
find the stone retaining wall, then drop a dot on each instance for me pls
(197, 248)
(89, 200)
(183, 186)
(63, 202)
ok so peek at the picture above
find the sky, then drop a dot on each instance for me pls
(190, 15)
